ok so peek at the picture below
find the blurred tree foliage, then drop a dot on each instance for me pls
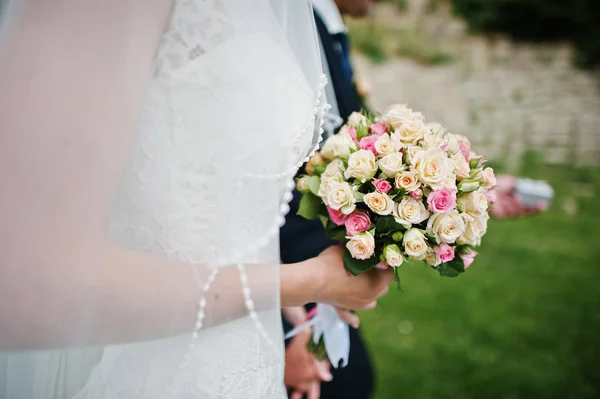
(540, 20)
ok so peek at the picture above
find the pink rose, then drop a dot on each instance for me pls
(336, 217)
(357, 222)
(464, 151)
(368, 143)
(352, 133)
(468, 258)
(382, 186)
(492, 196)
(444, 252)
(442, 201)
(417, 194)
(378, 129)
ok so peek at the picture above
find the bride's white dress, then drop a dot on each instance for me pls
(208, 183)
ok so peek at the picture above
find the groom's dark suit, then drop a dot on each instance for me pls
(302, 239)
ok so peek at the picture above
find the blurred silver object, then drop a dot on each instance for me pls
(533, 192)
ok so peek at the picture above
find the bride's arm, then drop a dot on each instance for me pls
(73, 75)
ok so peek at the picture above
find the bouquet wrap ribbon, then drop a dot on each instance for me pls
(335, 332)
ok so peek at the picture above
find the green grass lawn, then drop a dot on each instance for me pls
(522, 322)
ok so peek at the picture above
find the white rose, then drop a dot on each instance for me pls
(488, 179)
(361, 165)
(411, 151)
(334, 170)
(356, 119)
(361, 246)
(393, 256)
(407, 180)
(475, 229)
(396, 115)
(431, 258)
(433, 167)
(415, 244)
(410, 131)
(391, 164)
(446, 227)
(461, 166)
(436, 129)
(431, 140)
(475, 203)
(386, 144)
(379, 203)
(340, 197)
(410, 211)
(339, 145)
(452, 140)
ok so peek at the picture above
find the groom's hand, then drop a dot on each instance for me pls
(304, 373)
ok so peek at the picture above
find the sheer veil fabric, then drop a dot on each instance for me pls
(147, 155)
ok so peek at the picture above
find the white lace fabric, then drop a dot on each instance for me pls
(235, 105)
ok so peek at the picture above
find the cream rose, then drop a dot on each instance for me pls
(446, 227)
(433, 167)
(411, 151)
(475, 203)
(396, 115)
(361, 165)
(450, 181)
(452, 140)
(340, 197)
(324, 188)
(407, 180)
(475, 229)
(334, 170)
(339, 145)
(379, 203)
(461, 166)
(415, 244)
(393, 256)
(392, 164)
(356, 119)
(431, 140)
(488, 178)
(410, 131)
(386, 144)
(302, 184)
(410, 211)
(431, 258)
(361, 246)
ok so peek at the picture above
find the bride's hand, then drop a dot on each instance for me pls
(340, 288)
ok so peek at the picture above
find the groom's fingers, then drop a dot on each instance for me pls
(314, 391)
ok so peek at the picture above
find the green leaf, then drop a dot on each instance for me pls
(324, 220)
(386, 225)
(310, 206)
(397, 277)
(335, 232)
(317, 349)
(313, 183)
(357, 266)
(452, 268)
(399, 194)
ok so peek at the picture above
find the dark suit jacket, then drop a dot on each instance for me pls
(301, 239)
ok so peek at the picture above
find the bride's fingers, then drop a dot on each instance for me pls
(297, 395)
(314, 392)
(384, 291)
(348, 317)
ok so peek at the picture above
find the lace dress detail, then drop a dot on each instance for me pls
(206, 190)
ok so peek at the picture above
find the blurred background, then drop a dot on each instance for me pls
(521, 79)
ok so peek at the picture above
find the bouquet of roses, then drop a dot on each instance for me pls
(395, 188)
